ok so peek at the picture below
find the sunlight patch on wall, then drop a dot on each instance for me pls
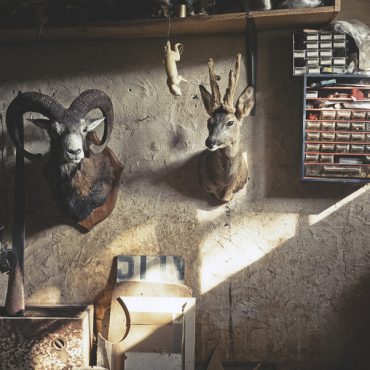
(210, 215)
(48, 294)
(314, 219)
(223, 253)
(132, 240)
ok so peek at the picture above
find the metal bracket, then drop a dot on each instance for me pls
(251, 48)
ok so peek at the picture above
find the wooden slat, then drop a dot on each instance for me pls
(334, 164)
(339, 153)
(338, 142)
(337, 5)
(226, 23)
(189, 341)
(338, 109)
(362, 87)
(294, 18)
(339, 99)
(336, 120)
(149, 361)
(205, 24)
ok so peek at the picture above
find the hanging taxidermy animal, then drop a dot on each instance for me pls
(170, 59)
(83, 172)
(222, 168)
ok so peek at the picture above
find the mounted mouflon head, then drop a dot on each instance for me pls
(82, 171)
(223, 170)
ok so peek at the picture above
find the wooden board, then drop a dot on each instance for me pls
(145, 335)
(171, 330)
(203, 24)
(153, 338)
(294, 18)
(101, 213)
(150, 361)
(215, 361)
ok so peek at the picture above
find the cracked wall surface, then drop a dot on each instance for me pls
(281, 273)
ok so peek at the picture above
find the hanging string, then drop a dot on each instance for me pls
(169, 27)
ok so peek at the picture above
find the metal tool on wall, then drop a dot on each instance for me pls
(251, 60)
(14, 304)
(5, 251)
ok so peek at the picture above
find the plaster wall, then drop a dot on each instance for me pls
(281, 273)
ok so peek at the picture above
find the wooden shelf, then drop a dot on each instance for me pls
(360, 87)
(339, 109)
(339, 99)
(334, 164)
(340, 153)
(338, 142)
(205, 24)
(334, 132)
(337, 120)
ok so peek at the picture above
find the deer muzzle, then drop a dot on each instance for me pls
(212, 144)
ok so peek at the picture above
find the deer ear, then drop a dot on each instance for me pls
(92, 124)
(206, 96)
(43, 123)
(245, 103)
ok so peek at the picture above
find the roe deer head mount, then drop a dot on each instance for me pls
(223, 170)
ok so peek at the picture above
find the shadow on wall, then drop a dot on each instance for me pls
(305, 300)
(274, 141)
(43, 212)
(183, 177)
(302, 296)
(308, 296)
(96, 58)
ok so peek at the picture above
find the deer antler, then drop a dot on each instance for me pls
(216, 95)
(228, 103)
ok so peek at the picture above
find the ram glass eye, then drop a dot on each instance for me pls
(230, 123)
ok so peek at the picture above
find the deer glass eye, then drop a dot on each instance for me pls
(230, 123)
(84, 129)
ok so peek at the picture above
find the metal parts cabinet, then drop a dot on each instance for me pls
(336, 128)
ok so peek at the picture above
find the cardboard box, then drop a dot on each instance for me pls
(161, 325)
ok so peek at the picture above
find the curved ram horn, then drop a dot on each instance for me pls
(86, 102)
(30, 102)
